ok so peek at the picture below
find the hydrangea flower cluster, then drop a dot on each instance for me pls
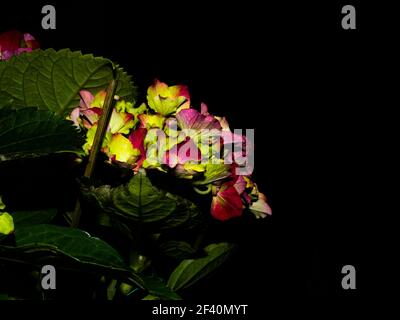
(14, 43)
(166, 133)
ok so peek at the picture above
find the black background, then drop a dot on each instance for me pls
(313, 92)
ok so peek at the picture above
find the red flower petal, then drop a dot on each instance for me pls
(9, 41)
(137, 140)
(227, 203)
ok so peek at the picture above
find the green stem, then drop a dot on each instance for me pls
(98, 141)
(203, 192)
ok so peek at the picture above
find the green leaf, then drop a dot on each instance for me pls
(177, 249)
(31, 132)
(73, 242)
(39, 254)
(6, 100)
(28, 218)
(141, 201)
(51, 80)
(157, 287)
(185, 216)
(145, 206)
(191, 270)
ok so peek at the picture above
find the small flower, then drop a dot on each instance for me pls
(137, 140)
(166, 100)
(181, 153)
(193, 120)
(260, 208)
(14, 43)
(91, 133)
(150, 121)
(6, 223)
(121, 122)
(86, 114)
(227, 203)
(122, 150)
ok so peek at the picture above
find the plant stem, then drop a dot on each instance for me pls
(101, 129)
(97, 143)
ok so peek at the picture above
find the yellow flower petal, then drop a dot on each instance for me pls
(98, 100)
(6, 223)
(123, 150)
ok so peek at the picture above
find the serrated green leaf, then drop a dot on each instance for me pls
(29, 218)
(191, 270)
(51, 80)
(30, 132)
(141, 201)
(73, 242)
(145, 206)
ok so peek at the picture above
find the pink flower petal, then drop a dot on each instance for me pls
(192, 119)
(204, 109)
(240, 184)
(30, 41)
(91, 117)
(260, 208)
(181, 153)
(22, 50)
(75, 116)
(86, 99)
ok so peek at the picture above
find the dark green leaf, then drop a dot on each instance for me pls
(73, 242)
(191, 270)
(6, 100)
(51, 80)
(31, 132)
(143, 205)
(186, 215)
(28, 218)
(39, 254)
(142, 202)
(157, 287)
(177, 249)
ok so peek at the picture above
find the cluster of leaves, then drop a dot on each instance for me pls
(38, 90)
